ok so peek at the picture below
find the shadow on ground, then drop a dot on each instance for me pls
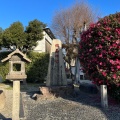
(70, 107)
(90, 100)
(3, 118)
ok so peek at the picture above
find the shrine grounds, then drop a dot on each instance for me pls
(81, 106)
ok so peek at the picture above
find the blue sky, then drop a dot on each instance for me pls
(43, 10)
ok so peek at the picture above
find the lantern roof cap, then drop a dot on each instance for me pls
(17, 51)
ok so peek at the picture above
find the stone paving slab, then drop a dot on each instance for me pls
(6, 112)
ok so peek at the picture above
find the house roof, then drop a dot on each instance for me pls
(14, 52)
(49, 32)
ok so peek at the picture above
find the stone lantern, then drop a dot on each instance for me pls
(16, 59)
(16, 74)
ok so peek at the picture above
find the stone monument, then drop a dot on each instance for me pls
(56, 71)
(16, 74)
(56, 83)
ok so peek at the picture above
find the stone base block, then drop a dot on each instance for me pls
(56, 91)
(2, 99)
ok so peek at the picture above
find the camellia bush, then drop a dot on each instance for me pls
(100, 51)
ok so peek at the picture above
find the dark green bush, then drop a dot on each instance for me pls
(114, 91)
(4, 67)
(36, 70)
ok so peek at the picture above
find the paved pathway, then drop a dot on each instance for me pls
(83, 107)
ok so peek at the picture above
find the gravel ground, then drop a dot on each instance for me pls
(83, 107)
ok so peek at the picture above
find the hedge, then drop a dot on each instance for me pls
(36, 70)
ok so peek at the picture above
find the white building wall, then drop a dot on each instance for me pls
(41, 44)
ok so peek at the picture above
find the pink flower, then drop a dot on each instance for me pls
(112, 53)
(118, 31)
(111, 36)
(100, 70)
(114, 76)
(98, 24)
(117, 61)
(100, 33)
(111, 61)
(92, 25)
(100, 46)
(102, 40)
(100, 55)
(118, 67)
(118, 41)
(90, 50)
(108, 28)
(112, 70)
(107, 38)
(114, 45)
(104, 74)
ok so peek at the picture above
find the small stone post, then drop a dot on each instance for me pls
(104, 99)
(77, 71)
(16, 100)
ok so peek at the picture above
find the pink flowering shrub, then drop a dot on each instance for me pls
(100, 51)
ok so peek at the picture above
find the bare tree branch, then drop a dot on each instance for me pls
(66, 21)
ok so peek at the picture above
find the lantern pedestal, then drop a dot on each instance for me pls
(16, 100)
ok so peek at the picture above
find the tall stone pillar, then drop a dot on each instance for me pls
(16, 100)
